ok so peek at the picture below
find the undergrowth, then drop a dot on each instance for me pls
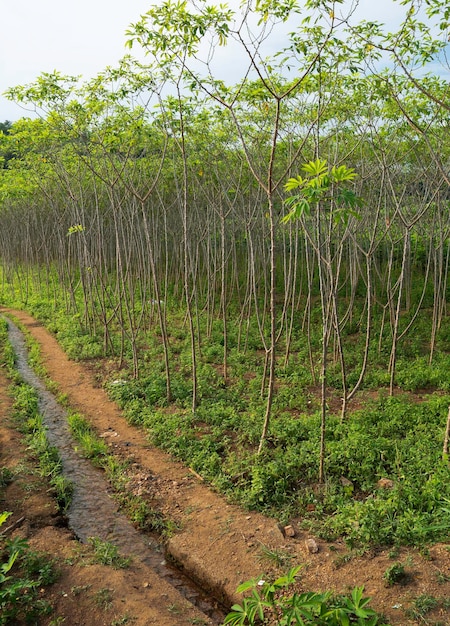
(398, 439)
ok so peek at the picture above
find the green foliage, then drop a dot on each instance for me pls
(394, 574)
(323, 185)
(141, 514)
(418, 374)
(390, 438)
(92, 446)
(6, 476)
(106, 553)
(170, 29)
(269, 600)
(22, 573)
(421, 606)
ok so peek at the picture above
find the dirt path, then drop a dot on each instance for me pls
(218, 543)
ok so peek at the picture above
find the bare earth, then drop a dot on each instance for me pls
(218, 544)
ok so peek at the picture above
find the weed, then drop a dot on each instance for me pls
(393, 554)
(421, 606)
(37, 564)
(63, 488)
(442, 578)
(103, 598)
(125, 619)
(274, 556)
(92, 446)
(394, 574)
(446, 603)
(346, 557)
(79, 589)
(225, 526)
(141, 514)
(269, 601)
(136, 508)
(31, 423)
(63, 399)
(6, 476)
(106, 553)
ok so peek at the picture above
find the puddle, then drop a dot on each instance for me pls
(93, 512)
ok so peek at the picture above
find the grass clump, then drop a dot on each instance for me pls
(106, 553)
(93, 447)
(394, 574)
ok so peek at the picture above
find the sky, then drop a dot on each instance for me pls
(82, 37)
(77, 37)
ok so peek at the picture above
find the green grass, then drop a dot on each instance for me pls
(106, 553)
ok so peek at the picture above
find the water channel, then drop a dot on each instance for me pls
(93, 513)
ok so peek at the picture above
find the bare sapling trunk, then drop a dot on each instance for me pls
(446, 437)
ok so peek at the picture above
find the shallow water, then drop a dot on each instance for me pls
(93, 512)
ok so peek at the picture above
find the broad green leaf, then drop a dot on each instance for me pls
(294, 183)
(315, 168)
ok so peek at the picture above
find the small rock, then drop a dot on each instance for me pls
(311, 546)
(345, 482)
(385, 483)
(289, 531)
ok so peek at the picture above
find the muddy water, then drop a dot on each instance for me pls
(93, 513)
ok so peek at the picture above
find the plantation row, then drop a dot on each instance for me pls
(253, 261)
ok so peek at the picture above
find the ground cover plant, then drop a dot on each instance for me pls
(271, 600)
(387, 481)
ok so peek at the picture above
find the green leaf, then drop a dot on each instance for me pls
(294, 183)
(315, 168)
(248, 584)
(4, 516)
(300, 206)
(343, 173)
(5, 567)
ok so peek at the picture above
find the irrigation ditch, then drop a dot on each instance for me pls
(93, 512)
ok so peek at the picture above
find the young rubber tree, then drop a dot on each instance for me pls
(324, 200)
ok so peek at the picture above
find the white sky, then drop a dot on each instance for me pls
(76, 37)
(84, 36)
